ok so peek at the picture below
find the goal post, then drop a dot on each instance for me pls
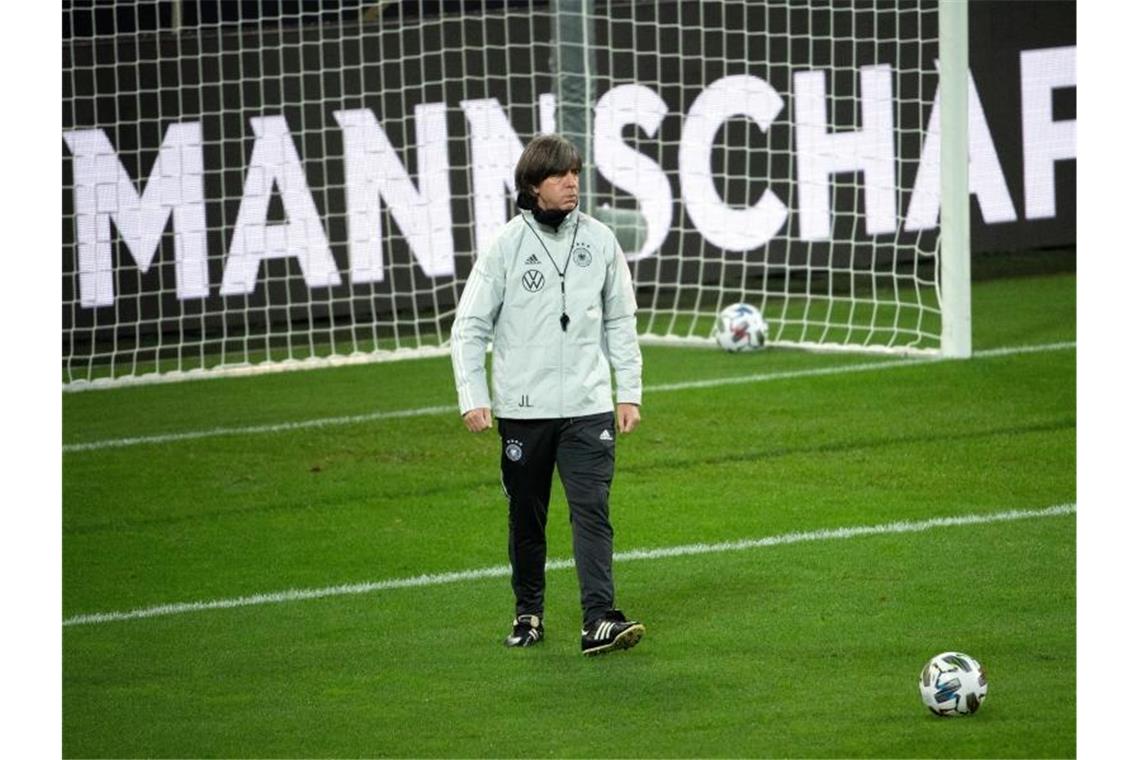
(259, 187)
(953, 46)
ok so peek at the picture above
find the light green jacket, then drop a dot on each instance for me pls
(513, 300)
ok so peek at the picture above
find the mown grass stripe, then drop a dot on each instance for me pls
(501, 571)
(111, 443)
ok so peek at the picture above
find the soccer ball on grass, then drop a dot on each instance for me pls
(953, 684)
(740, 327)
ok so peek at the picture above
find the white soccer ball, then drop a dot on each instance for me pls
(953, 684)
(740, 327)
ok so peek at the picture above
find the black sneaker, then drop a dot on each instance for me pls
(610, 633)
(528, 630)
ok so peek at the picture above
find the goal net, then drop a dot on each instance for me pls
(253, 189)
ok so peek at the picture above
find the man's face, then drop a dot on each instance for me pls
(558, 192)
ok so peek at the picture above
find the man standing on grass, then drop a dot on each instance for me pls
(553, 296)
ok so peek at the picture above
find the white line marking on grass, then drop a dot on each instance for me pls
(1012, 350)
(502, 571)
(843, 369)
(112, 443)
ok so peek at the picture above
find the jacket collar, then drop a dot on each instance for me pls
(553, 224)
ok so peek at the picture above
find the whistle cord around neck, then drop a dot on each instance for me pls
(564, 320)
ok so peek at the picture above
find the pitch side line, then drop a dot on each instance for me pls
(114, 443)
(502, 571)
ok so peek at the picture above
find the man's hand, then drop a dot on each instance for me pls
(478, 420)
(628, 415)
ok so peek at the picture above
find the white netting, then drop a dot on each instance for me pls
(796, 132)
(310, 183)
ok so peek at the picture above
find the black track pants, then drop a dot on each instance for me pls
(583, 450)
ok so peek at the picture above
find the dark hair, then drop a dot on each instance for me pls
(544, 156)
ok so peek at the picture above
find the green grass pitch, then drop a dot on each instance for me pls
(803, 649)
